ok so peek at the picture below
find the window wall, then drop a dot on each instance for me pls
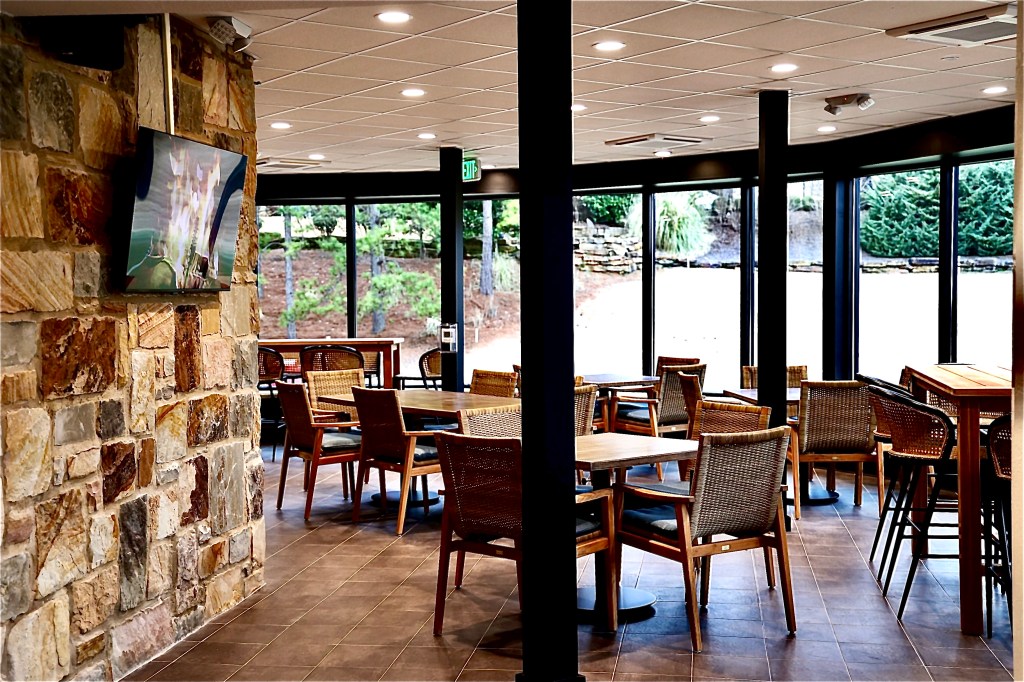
(985, 272)
(899, 281)
(804, 282)
(608, 289)
(697, 280)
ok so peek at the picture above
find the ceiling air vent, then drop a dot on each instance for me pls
(980, 27)
(271, 162)
(655, 141)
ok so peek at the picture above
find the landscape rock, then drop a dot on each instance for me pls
(100, 127)
(79, 355)
(134, 552)
(88, 274)
(142, 403)
(163, 513)
(38, 646)
(104, 539)
(21, 211)
(19, 526)
(156, 325)
(227, 488)
(12, 84)
(74, 423)
(163, 560)
(187, 350)
(110, 419)
(207, 419)
(40, 281)
(79, 206)
(218, 353)
(193, 492)
(89, 648)
(61, 542)
(16, 387)
(119, 469)
(16, 591)
(20, 341)
(51, 112)
(27, 460)
(171, 431)
(95, 599)
(141, 638)
(84, 463)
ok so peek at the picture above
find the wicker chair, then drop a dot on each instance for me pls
(837, 424)
(388, 446)
(270, 366)
(333, 382)
(883, 441)
(736, 492)
(923, 443)
(492, 422)
(371, 368)
(323, 357)
(312, 442)
(794, 375)
(518, 369)
(998, 523)
(664, 414)
(489, 382)
(430, 368)
(483, 503)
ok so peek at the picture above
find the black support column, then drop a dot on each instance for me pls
(452, 378)
(772, 251)
(351, 256)
(841, 262)
(548, 581)
(648, 224)
(747, 260)
(949, 201)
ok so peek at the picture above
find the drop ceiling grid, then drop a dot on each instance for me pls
(337, 71)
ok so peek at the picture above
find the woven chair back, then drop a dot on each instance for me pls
(584, 399)
(881, 426)
(380, 423)
(490, 382)
(323, 358)
(270, 364)
(482, 485)
(999, 443)
(430, 368)
(736, 485)
(671, 404)
(333, 382)
(518, 369)
(690, 386)
(298, 419)
(668, 361)
(836, 416)
(714, 417)
(918, 430)
(371, 364)
(794, 375)
(492, 422)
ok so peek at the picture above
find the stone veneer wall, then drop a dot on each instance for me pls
(132, 504)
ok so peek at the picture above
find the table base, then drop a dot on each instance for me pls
(630, 599)
(415, 499)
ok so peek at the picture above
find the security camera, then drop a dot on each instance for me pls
(834, 105)
(833, 109)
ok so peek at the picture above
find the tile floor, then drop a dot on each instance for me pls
(345, 602)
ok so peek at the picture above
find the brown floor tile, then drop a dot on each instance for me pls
(800, 670)
(187, 671)
(325, 674)
(277, 616)
(360, 656)
(639, 677)
(487, 676)
(959, 658)
(735, 667)
(229, 653)
(244, 632)
(878, 653)
(145, 672)
(292, 651)
(175, 651)
(277, 673)
(652, 663)
(887, 672)
(968, 674)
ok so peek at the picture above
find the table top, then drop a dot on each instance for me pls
(278, 344)
(749, 395)
(435, 403)
(603, 451)
(611, 379)
(961, 380)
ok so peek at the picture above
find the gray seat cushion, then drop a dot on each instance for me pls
(340, 440)
(660, 519)
(586, 525)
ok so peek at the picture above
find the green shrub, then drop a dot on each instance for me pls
(985, 221)
(803, 203)
(506, 272)
(603, 209)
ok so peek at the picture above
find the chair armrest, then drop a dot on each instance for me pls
(334, 425)
(582, 498)
(649, 391)
(646, 401)
(419, 434)
(657, 494)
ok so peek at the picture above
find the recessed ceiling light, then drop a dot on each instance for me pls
(784, 68)
(413, 92)
(710, 118)
(426, 136)
(393, 17)
(826, 129)
(609, 45)
(317, 157)
(579, 107)
(488, 166)
(663, 152)
(995, 90)
(280, 125)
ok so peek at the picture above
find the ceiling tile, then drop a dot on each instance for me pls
(635, 95)
(507, 63)
(625, 73)
(486, 98)
(761, 68)
(436, 51)
(425, 16)
(393, 91)
(701, 56)
(489, 29)
(927, 82)
(510, 117)
(707, 81)
(468, 78)
(374, 67)
(448, 110)
(322, 84)
(608, 13)
(867, 48)
(861, 75)
(357, 103)
(789, 8)
(791, 34)
(1004, 69)
(318, 115)
(892, 14)
(292, 98)
(291, 58)
(327, 37)
(636, 44)
(948, 58)
(696, 22)
(261, 22)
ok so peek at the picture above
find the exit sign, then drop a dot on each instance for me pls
(470, 170)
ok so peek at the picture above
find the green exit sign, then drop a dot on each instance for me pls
(470, 170)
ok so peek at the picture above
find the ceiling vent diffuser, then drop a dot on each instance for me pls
(655, 141)
(270, 162)
(980, 27)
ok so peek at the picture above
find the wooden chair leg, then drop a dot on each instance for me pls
(344, 480)
(403, 500)
(705, 580)
(769, 569)
(382, 484)
(880, 454)
(357, 494)
(305, 474)
(313, 466)
(689, 577)
(460, 567)
(284, 475)
(794, 465)
(426, 496)
(830, 477)
(782, 550)
(858, 482)
(444, 559)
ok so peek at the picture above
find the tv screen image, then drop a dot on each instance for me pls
(188, 200)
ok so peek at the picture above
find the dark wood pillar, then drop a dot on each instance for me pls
(772, 251)
(545, 205)
(647, 270)
(841, 264)
(452, 378)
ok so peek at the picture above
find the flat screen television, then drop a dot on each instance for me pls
(188, 200)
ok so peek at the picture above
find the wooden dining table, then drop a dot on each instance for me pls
(445, 404)
(600, 455)
(389, 348)
(973, 389)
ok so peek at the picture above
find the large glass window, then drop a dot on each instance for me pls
(985, 276)
(491, 284)
(697, 280)
(608, 290)
(398, 275)
(899, 240)
(804, 281)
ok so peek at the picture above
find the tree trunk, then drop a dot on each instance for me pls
(487, 258)
(289, 278)
(376, 268)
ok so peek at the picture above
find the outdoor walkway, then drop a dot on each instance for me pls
(346, 602)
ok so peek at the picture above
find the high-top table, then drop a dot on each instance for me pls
(973, 388)
(445, 404)
(390, 350)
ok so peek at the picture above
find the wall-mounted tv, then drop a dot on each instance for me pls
(188, 200)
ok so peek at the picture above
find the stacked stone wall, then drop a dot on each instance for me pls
(131, 493)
